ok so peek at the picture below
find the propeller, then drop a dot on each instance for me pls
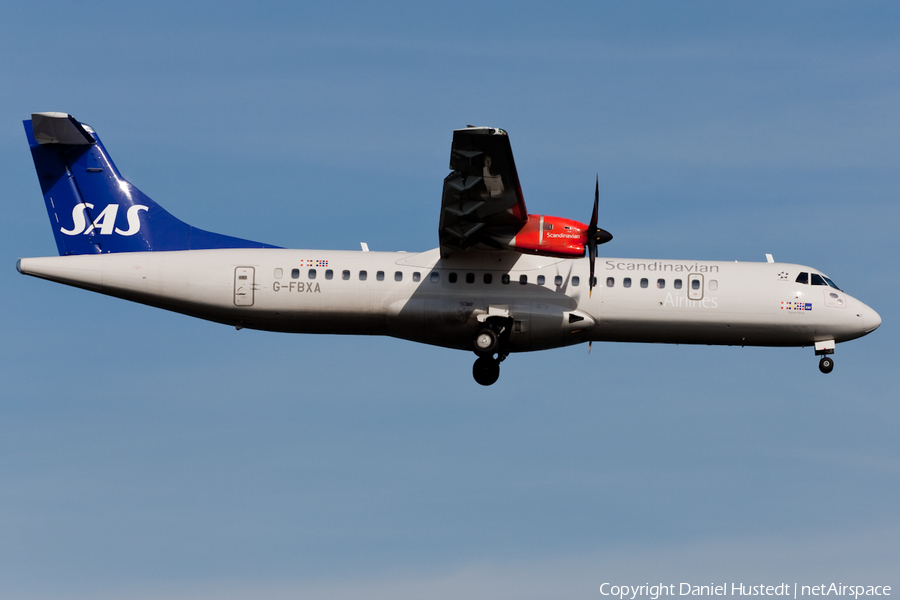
(595, 235)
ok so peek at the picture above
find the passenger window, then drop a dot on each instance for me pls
(417, 276)
(803, 278)
(470, 277)
(329, 274)
(677, 284)
(504, 279)
(451, 278)
(363, 275)
(610, 282)
(558, 280)
(695, 284)
(523, 279)
(398, 276)
(541, 280)
(279, 273)
(345, 275)
(379, 275)
(661, 284)
(644, 282)
(488, 278)
(626, 282)
(435, 277)
(817, 279)
(295, 273)
(576, 280)
(312, 274)
(713, 284)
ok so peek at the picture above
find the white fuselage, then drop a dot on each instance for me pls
(423, 298)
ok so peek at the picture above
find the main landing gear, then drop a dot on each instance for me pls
(826, 364)
(490, 344)
(486, 370)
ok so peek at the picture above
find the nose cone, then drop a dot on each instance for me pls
(871, 319)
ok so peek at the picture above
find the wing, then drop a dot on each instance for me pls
(482, 204)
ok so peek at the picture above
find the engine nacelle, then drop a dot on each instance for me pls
(551, 236)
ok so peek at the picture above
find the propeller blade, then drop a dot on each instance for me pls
(592, 234)
(595, 235)
(592, 255)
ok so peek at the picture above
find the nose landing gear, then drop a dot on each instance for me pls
(825, 349)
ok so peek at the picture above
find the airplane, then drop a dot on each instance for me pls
(501, 281)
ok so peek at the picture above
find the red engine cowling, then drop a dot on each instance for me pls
(551, 236)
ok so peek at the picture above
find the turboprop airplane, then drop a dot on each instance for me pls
(501, 281)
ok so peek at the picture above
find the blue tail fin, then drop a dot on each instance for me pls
(92, 208)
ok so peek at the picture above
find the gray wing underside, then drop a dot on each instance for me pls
(482, 205)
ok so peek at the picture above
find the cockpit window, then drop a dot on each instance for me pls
(818, 279)
(831, 283)
(803, 278)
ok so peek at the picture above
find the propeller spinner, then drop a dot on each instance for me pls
(595, 235)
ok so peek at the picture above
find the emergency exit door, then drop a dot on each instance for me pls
(695, 286)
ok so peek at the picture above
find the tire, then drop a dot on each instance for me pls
(486, 341)
(486, 371)
(826, 365)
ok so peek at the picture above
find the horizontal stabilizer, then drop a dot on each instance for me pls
(59, 128)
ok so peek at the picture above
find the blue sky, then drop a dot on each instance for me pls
(148, 455)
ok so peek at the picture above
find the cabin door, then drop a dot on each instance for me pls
(243, 286)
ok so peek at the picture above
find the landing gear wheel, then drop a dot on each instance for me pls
(486, 342)
(486, 370)
(826, 364)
